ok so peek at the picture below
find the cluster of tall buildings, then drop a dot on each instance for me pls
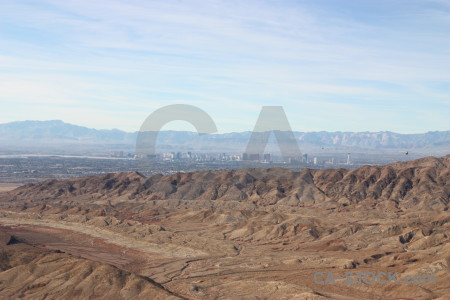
(247, 157)
(177, 156)
(256, 157)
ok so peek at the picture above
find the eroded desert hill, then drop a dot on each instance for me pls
(244, 234)
(28, 272)
(422, 183)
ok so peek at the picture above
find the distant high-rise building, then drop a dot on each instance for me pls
(348, 158)
(315, 160)
(305, 158)
(266, 157)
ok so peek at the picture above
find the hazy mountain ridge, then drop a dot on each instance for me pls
(55, 132)
(59, 131)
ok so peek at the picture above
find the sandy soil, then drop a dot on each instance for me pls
(246, 234)
(241, 262)
(4, 187)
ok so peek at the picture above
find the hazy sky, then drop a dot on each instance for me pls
(333, 65)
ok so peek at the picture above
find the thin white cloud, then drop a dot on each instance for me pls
(243, 54)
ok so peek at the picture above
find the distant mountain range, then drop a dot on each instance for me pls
(57, 130)
(59, 136)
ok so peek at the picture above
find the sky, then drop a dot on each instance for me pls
(332, 65)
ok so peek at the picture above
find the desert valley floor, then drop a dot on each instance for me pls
(229, 234)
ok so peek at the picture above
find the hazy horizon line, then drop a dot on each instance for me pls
(221, 133)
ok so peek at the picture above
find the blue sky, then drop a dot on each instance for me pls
(333, 65)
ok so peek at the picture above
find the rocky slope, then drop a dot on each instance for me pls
(423, 183)
(27, 272)
(244, 234)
